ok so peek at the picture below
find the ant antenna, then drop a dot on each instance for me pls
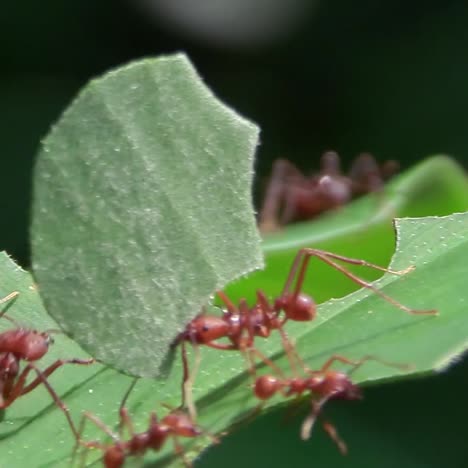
(127, 393)
(8, 298)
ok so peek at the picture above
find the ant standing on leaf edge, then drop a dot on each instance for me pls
(19, 345)
(241, 324)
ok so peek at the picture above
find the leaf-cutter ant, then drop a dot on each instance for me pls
(175, 425)
(23, 344)
(321, 385)
(241, 324)
(292, 196)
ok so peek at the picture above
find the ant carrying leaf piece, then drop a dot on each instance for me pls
(23, 344)
(128, 260)
(241, 324)
(292, 196)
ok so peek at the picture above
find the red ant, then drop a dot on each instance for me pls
(323, 385)
(174, 425)
(240, 325)
(292, 196)
(22, 344)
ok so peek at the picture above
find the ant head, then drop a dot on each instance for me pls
(32, 345)
(300, 307)
(206, 328)
(335, 385)
(266, 386)
(352, 392)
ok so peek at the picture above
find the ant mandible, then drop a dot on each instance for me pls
(322, 385)
(22, 344)
(292, 196)
(174, 425)
(240, 325)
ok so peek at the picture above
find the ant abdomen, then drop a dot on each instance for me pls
(300, 307)
(266, 386)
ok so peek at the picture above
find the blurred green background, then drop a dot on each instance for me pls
(384, 76)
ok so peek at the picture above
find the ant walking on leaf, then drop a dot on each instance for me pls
(322, 385)
(241, 324)
(23, 344)
(292, 196)
(175, 425)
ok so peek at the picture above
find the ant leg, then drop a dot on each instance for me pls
(9, 299)
(52, 368)
(189, 385)
(309, 422)
(330, 164)
(330, 429)
(127, 393)
(255, 352)
(126, 420)
(86, 416)
(189, 378)
(290, 209)
(232, 309)
(287, 344)
(327, 256)
(274, 195)
(123, 413)
(98, 423)
(365, 175)
(19, 386)
(389, 168)
(223, 347)
(249, 349)
(358, 363)
(179, 450)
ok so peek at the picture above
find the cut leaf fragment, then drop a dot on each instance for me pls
(142, 209)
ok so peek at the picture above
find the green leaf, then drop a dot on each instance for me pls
(142, 208)
(354, 326)
(362, 229)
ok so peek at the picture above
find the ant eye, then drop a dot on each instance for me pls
(205, 328)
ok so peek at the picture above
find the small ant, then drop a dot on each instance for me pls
(22, 344)
(174, 425)
(292, 196)
(323, 385)
(240, 325)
